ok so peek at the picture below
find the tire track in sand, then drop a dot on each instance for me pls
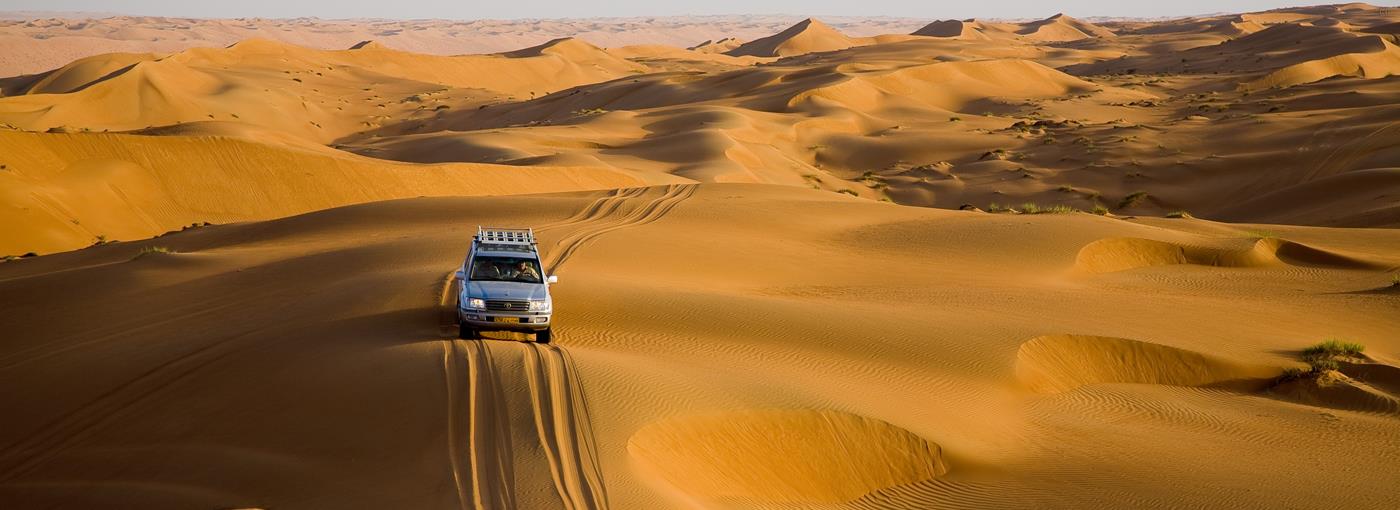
(72, 428)
(478, 428)
(654, 210)
(566, 433)
(599, 208)
(556, 394)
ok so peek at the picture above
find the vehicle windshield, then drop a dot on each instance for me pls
(506, 269)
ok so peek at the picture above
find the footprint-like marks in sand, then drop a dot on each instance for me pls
(1124, 253)
(788, 456)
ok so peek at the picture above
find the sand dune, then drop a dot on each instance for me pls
(328, 360)
(756, 457)
(63, 191)
(807, 36)
(32, 43)
(1371, 65)
(1119, 254)
(1062, 28)
(1061, 363)
(989, 264)
(967, 30)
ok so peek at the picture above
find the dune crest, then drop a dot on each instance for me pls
(1380, 61)
(1338, 390)
(1122, 254)
(1059, 28)
(783, 456)
(954, 29)
(807, 36)
(1061, 363)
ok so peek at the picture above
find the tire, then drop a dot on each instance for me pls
(466, 332)
(544, 336)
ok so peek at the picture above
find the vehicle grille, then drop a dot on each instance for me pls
(508, 306)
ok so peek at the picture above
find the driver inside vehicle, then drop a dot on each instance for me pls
(526, 271)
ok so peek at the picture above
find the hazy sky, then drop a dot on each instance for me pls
(477, 9)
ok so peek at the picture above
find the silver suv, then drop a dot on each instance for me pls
(502, 286)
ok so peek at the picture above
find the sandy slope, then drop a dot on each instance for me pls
(770, 298)
(65, 190)
(1138, 118)
(717, 346)
(31, 43)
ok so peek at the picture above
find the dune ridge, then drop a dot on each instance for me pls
(699, 362)
(751, 456)
(807, 36)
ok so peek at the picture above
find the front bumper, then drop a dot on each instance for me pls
(504, 321)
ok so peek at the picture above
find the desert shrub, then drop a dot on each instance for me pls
(1333, 347)
(993, 154)
(1099, 209)
(954, 119)
(1030, 208)
(848, 192)
(996, 208)
(1132, 199)
(1179, 214)
(1067, 189)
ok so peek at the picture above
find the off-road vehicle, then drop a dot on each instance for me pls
(503, 286)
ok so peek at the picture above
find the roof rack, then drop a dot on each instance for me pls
(524, 236)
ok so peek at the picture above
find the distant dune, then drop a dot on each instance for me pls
(836, 264)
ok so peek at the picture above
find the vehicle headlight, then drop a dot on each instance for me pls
(539, 305)
(476, 303)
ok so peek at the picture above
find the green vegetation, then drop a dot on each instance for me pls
(1331, 348)
(1032, 208)
(152, 250)
(1132, 199)
(997, 208)
(1179, 214)
(1099, 209)
(1322, 358)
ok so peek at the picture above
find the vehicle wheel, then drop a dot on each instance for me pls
(543, 336)
(466, 332)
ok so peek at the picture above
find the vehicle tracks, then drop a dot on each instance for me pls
(478, 417)
(477, 409)
(654, 210)
(566, 433)
(70, 429)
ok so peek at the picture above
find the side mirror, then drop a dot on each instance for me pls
(553, 279)
(459, 275)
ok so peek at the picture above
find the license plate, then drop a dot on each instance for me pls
(507, 319)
